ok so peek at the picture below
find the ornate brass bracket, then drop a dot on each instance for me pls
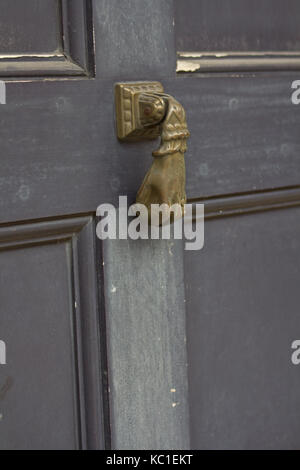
(144, 111)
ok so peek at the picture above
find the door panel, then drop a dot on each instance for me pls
(242, 315)
(237, 35)
(47, 411)
(52, 37)
(237, 25)
(16, 33)
(49, 319)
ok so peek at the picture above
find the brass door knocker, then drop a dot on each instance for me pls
(144, 111)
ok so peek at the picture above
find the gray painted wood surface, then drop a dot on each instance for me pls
(237, 25)
(244, 137)
(243, 315)
(49, 38)
(30, 27)
(242, 288)
(139, 36)
(144, 290)
(244, 133)
(60, 158)
(50, 388)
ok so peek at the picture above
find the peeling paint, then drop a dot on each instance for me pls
(218, 60)
(198, 54)
(187, 66)
(32, 56)
(190, 54)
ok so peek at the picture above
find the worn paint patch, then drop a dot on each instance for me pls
(187, 66)
(31, 56)
(197, 55)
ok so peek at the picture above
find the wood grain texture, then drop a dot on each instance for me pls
(144, 292)
(139, 36)
(237, 25)
(244, 133)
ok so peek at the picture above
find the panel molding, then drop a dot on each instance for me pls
(76, 57)
(79, 235)
(239, 204)
(195, 62)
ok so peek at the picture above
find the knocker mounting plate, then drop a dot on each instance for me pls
(137, 118)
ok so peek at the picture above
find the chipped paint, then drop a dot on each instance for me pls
(46, 79)
(197, 54)
(31, 56)
(113, 289)
(225, 61)
(189, 54)
(187, 66)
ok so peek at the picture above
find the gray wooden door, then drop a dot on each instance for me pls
(138, 344)
(237, 61)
